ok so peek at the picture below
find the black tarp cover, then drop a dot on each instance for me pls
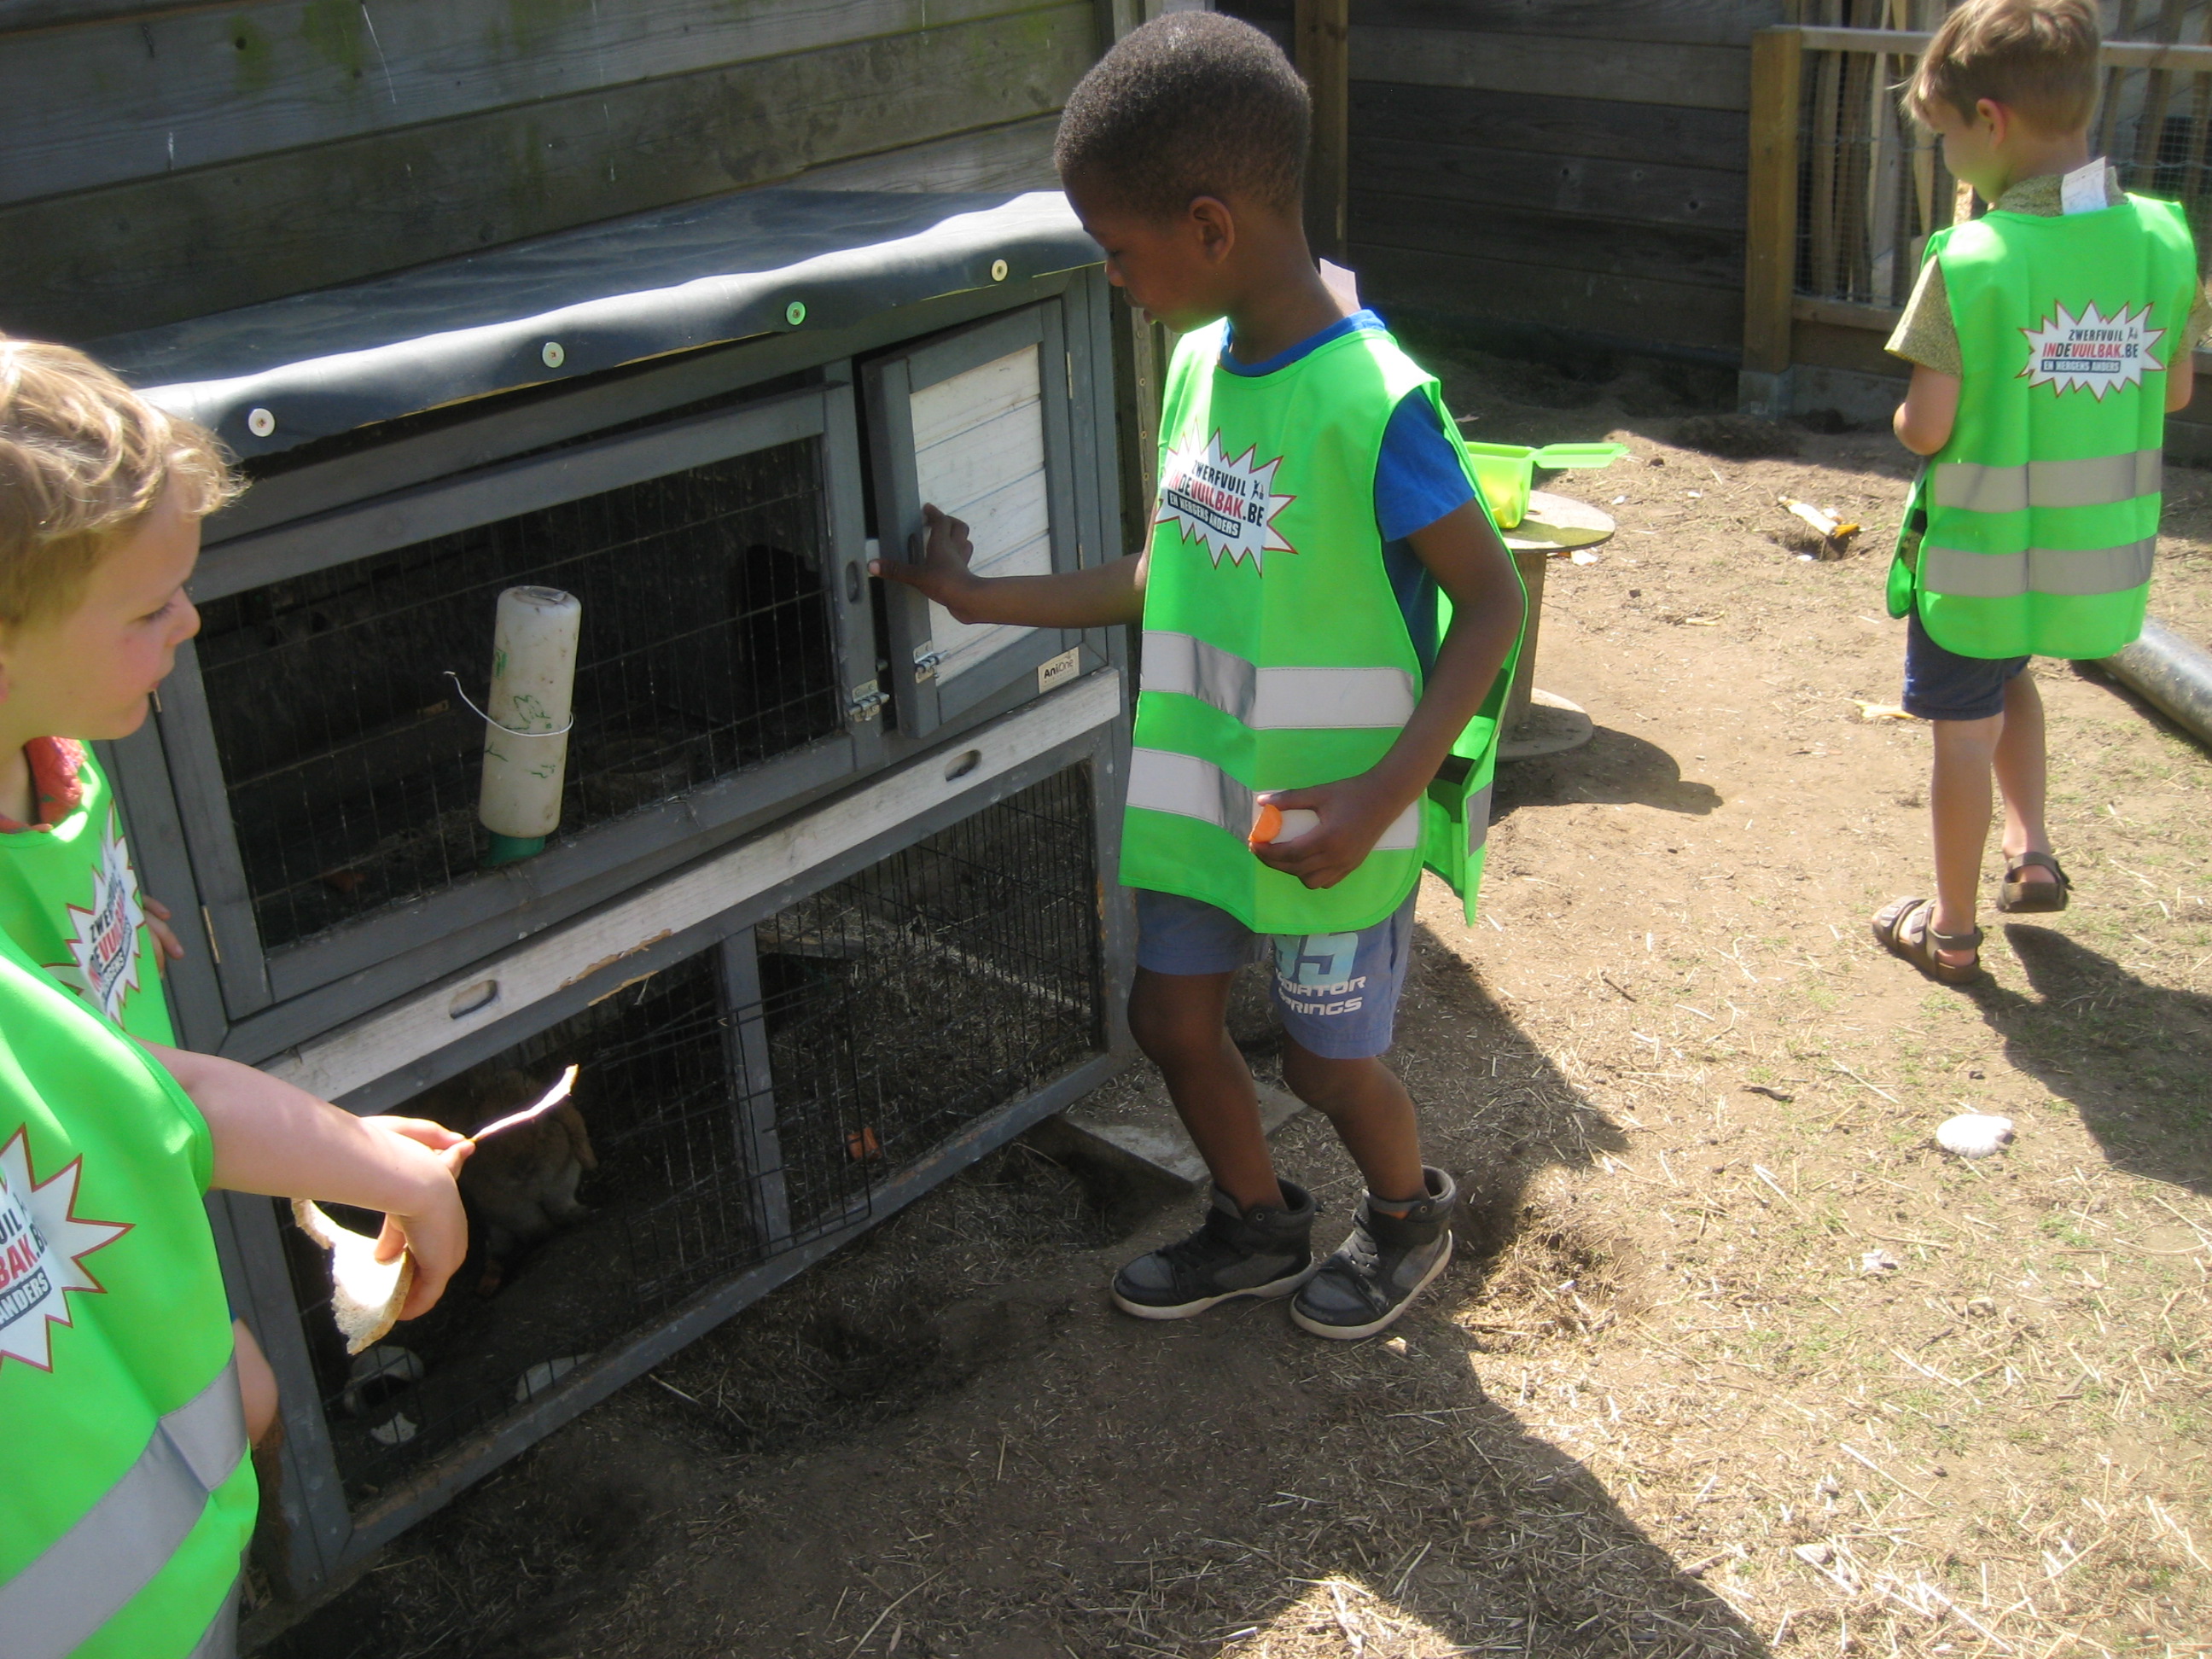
(329, 362)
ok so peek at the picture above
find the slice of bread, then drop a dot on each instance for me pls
(366, 1294)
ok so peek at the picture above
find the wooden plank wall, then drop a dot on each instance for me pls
(162, 161)
(1574, 163)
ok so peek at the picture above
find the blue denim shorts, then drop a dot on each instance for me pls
(1942, 685)
(1336, 994)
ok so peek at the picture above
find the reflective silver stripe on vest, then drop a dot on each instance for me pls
(90, 1573)
(2099, 481)
(220, 1639)
(1162, 781)
(1276, 699)
(1478, 819)
(1968, 575)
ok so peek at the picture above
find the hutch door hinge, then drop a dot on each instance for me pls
(867, 700)
(926, 662)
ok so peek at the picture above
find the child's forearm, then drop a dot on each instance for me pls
(1467, 661)
(272, 1138)
(1097, 596)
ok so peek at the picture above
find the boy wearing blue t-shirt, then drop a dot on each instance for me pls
(1313, 509)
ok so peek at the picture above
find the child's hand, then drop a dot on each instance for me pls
(1354, 813)
(434, 1228)
(939, 568)
(167, 947)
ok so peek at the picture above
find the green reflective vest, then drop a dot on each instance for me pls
(128, 1495)
(1275, 654)
(70, 897)
(2041, 513)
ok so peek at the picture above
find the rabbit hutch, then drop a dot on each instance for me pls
(819, 917)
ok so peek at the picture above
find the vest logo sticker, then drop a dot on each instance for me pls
(43, 1244)
(2092, 351)
(1227, 505)
(103, 944)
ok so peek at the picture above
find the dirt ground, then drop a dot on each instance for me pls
(1732, 1361)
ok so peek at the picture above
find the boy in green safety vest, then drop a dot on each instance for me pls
(129, 1496)
(1330, 623)
(2049, 338)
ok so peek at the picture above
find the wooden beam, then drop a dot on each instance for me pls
(1911, 43)
(136, 97)
(1691, 22)
(1842, 314)
(1324, 31)
(1770, 273)
(162, 249)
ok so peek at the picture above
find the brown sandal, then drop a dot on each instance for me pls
(2030, 897)
(1904, 928)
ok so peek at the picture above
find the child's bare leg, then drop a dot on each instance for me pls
(2022, 775)
(1370, 1112)
(1180, 1020)
(1959, 805)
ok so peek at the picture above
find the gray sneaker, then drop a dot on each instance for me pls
(1261, 1252)
(1388, 1259)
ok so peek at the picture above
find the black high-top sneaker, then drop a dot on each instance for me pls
(1262, 1252)
(1393, 1251)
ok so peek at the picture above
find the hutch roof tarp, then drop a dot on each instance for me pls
(272, 376)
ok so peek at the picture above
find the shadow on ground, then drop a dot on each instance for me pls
(944, 1437)
(1614, 769)
(2129, 1056)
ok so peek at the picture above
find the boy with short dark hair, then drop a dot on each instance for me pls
(2048, 339)
(1330, 621)
(123, 1383)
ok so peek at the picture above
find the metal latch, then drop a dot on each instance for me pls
(867, 701)
(925, 663)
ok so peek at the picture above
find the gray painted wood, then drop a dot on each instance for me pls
(1614, 192)
(1544, 123)
(1700, 258)
(759, 1143)
(1634, 72)
(130, 98)
(1698, 22)
(159, 249)
(1629, 311)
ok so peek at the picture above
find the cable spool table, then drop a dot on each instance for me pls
(1540, 722)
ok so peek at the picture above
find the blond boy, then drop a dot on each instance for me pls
(2048, 339)
(129, 1495)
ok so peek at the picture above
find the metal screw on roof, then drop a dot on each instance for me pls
(794, 313)
(260, 423)
(555, 354)
(997, 270)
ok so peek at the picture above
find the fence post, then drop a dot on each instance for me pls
(1770, 263)
(1323, 30)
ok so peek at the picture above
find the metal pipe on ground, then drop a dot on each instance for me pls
(2172, 674)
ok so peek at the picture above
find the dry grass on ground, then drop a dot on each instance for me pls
(1733, 1361)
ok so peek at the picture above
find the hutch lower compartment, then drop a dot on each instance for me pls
(892, 985)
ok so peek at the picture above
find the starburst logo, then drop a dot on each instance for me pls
(2092, 351)
(1229, 505)
(104, 945)
(43, 1244)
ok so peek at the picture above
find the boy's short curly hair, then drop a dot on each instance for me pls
(2038, 57)
(1192, 103)
(83, 460)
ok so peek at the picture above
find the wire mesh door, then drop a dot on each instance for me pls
(727, 1110)
(720, 615)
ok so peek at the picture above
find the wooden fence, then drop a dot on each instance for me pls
(1574, 164)
(1843, 190)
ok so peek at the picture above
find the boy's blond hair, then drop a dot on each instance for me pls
(83, 460)
(2038, 57)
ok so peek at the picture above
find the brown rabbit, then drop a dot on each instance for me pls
(520, 1183)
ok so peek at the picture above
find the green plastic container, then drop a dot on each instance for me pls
(1503, 471)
